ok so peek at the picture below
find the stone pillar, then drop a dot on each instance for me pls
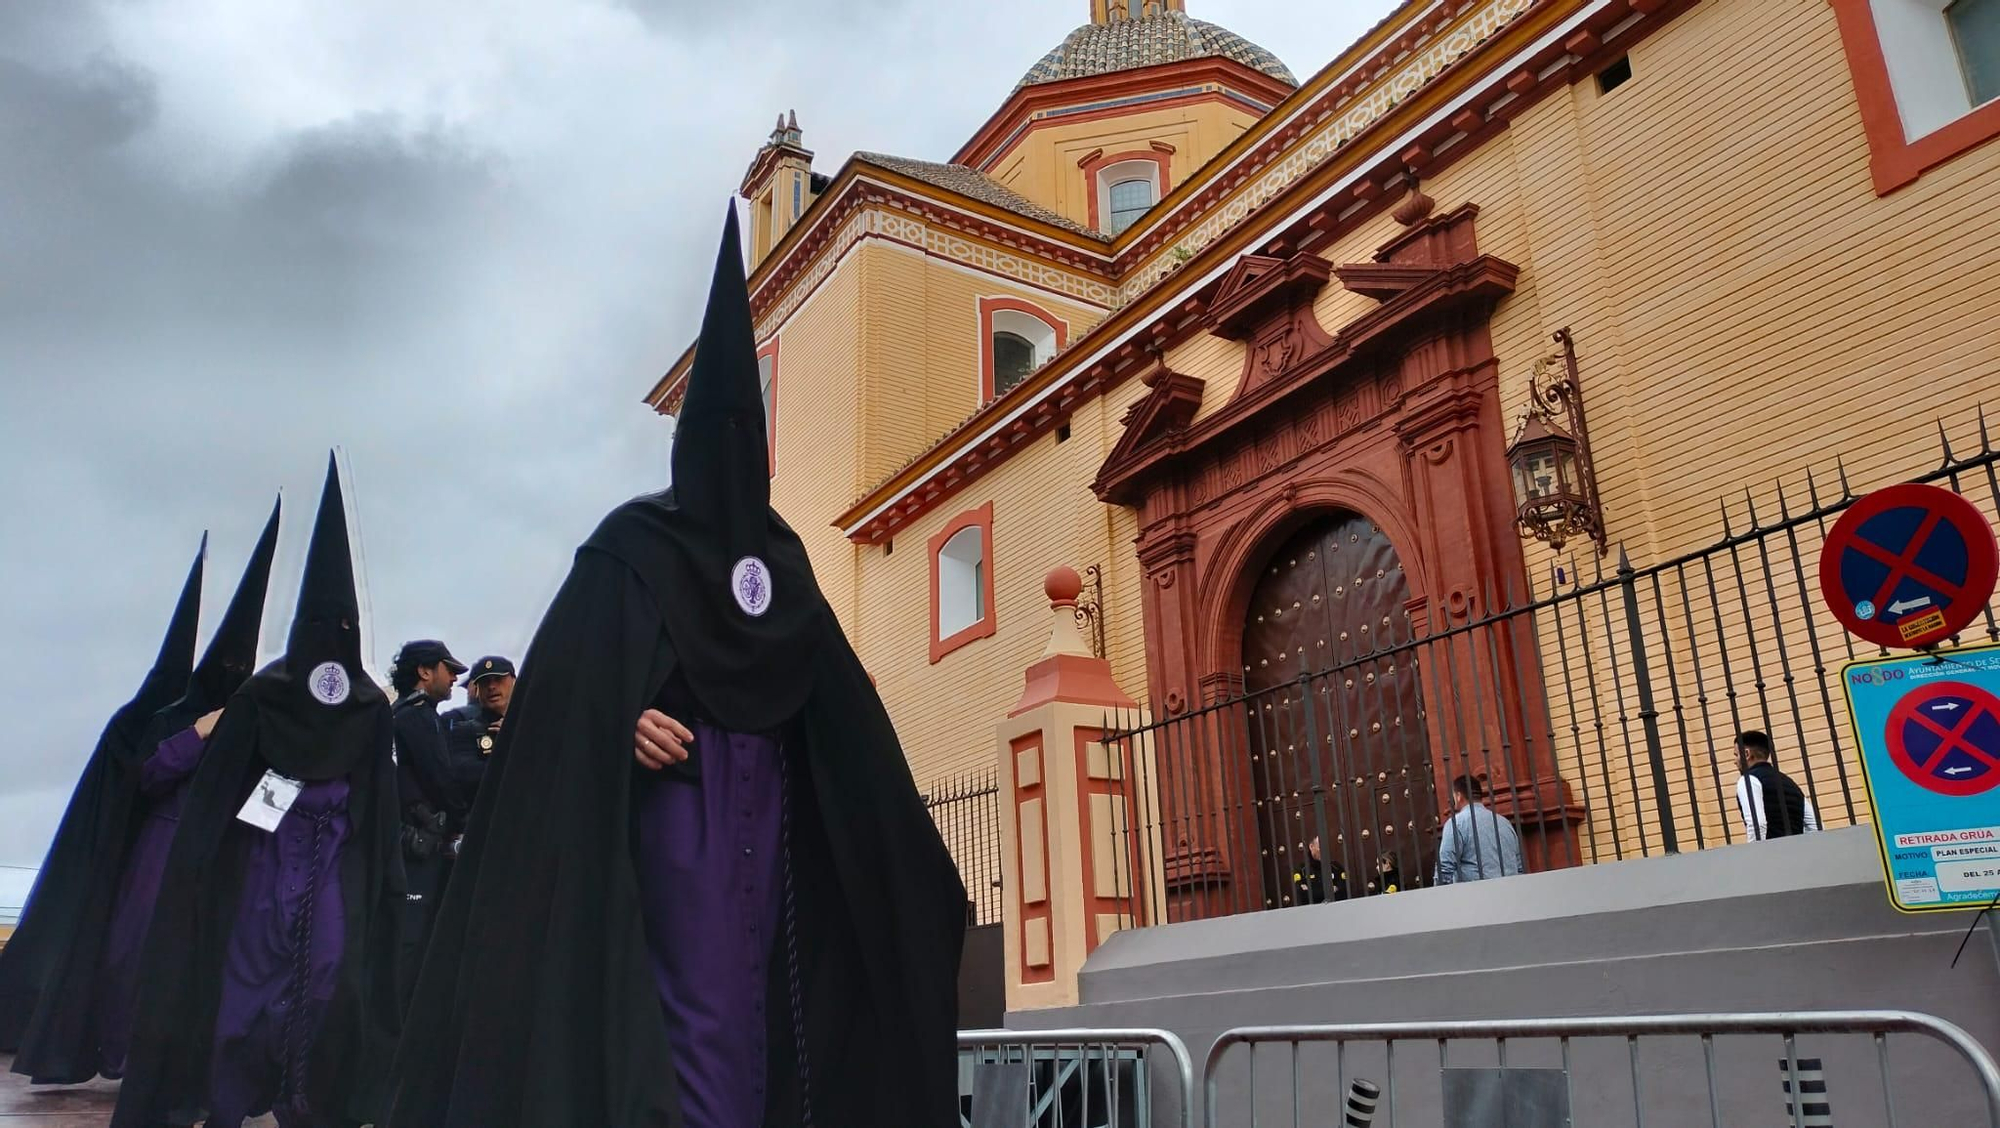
(1486, 705)
(1077, 864)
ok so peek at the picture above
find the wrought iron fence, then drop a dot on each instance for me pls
(1599, 716)
(1802, 1069)
(966, 809)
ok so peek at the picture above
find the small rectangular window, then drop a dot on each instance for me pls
(1975, 33)
(1615, 75)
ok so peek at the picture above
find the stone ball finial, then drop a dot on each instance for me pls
(1063, 585)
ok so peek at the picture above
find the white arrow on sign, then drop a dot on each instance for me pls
(1902, 605)
(1961, 770)
(1944, 706)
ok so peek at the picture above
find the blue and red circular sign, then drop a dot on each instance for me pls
(1946, 737)
(1909, 565)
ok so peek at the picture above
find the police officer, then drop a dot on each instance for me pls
(470, 731)
(423, 674)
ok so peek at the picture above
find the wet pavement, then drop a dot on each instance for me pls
(72, 1106)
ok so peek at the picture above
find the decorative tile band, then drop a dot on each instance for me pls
(1302, 159)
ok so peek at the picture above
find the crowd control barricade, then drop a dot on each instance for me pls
(1854, 1069)
(1134, 1078)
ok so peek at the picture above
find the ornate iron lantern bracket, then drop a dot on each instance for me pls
(1090, 607)
(1555, 482)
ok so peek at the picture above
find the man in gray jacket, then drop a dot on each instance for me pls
(1477, 843)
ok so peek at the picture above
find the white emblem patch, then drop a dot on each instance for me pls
(750, 582)
(328, 683)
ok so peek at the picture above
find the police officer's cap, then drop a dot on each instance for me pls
(491, 666)
(427, 652)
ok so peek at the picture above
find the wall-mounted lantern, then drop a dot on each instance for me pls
(1555, 485)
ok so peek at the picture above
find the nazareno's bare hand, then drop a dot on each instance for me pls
(660, 741)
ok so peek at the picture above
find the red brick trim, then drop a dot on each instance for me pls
(987, 308)
(1894, 160)
(982, 519)
(1100, 162)
(1028, 913)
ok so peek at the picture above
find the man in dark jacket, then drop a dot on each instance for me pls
(1772, 805)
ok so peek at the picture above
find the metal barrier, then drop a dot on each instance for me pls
(1135, 1078)
(1553, 1073)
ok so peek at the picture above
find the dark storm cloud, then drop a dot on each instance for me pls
(178, 345)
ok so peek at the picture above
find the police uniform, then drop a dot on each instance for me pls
(422, 787)
(470, 732)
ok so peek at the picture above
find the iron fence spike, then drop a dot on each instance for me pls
(1750, 503)
(1985, 443)
(1784, 509)
(1846, 491)
(1812, 489)
(1944, 440)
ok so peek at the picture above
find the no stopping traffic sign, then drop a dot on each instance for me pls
(1909, 565)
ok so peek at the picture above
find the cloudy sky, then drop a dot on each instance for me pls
(456, 240)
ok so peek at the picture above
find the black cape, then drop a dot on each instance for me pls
(84, 858)
(167, 1079)
(61, 1042)
(280, 720)
(537, 1003)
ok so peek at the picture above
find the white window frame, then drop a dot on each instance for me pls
(1118, 173)
(961, 582)
(1037, 331)
(1931, 87)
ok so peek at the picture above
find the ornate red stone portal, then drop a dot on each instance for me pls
(1395, 419)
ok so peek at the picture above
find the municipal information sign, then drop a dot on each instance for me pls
(1929, 733)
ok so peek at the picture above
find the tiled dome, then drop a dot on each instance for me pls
(1166, 37)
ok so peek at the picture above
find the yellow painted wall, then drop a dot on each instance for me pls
(920, 344)
(819, 365)
(1044, 516)
(1043, 165)
(877, 364)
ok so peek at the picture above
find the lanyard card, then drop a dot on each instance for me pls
(269, 800)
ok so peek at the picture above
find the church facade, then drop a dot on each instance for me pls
(1181, 320)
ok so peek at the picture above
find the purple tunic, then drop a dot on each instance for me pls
(163, 781)
(274, 987)
(711, 892)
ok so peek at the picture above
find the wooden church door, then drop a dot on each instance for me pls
(1335, 710)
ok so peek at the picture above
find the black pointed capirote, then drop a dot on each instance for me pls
(721, 459)
(327, 623)
(175, 660)
(232, 649)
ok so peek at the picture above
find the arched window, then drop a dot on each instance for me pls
(1013, 359)
(1019, 338)
(962, 582)
(961, 574)
(1126, 189)
(1130, 199)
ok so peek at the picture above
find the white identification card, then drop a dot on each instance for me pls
(269, 800)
